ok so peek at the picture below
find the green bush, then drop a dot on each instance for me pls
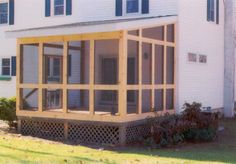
(8, 110)
(192, 125)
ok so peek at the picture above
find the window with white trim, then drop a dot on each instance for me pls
(4, 13)
(132, 6)
(6, 66)
(59, 7)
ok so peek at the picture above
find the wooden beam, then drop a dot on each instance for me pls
(91, 77)
(18, 77)
(58, 46)
(153, 78)
(165, 69)
(85, 117)
(140, 58)
(79, 37)
(40, 77)
(123, 59)
(65, 76)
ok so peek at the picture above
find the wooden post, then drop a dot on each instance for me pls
(123, 58)
(19, 125)
(153, 78)
(65, 76)
(91, 76)
(140, 56)
(40, 77)
(122, 135)
(18, 77)
(175, 69)
(165, 68)
(66, 128)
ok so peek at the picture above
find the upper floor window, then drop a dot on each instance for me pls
(6, 67)
(59, 7)
(3, 13)
(213, 11)
(132, 6)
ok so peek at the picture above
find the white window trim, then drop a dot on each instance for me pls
(6, 1)
(131, 14)
(2, 66)
(53, 9)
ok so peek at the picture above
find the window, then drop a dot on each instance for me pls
(202, 59)
(132, 6)
(54, 69)
(213, 11)
(192, 57)
(6, 66)
(59, 6)
(3, 13)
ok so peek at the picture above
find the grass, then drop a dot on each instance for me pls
(17, 149)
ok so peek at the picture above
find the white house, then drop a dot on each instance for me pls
(114, 62)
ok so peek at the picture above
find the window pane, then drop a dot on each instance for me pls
(146, 63)
(171, 33)
(53, 59)
(159, 100)
(132, 67)
(58, 2)
(78, 62)
(5, 71)
(29, 61)
(159, 64)
(3, 7)
(78, 101)
(132, 6)
(170, 65)
(59, 10)
(106, 61)
(106, 102)
(5, 62)
(170, 99)
(29, 99)
(146, 101)
(132, 101)
(52, 99)
(156, 33)
(3, 13)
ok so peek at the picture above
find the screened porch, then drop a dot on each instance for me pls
(109, 76)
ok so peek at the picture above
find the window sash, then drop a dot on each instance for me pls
(132, 6)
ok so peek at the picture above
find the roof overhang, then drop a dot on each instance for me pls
(92, 27)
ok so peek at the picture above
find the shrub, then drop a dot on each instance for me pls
(191, 125)
(8, 110)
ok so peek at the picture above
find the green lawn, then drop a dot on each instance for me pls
(16, 149)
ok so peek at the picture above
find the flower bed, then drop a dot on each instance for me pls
(192, 125)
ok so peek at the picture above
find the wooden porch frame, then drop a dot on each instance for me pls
(122, 86)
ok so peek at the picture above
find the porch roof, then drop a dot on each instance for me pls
(92, 27)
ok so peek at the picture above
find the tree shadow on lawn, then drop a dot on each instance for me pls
(19, 159)
(194, 153)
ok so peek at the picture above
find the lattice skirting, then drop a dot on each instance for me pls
(84, 132)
